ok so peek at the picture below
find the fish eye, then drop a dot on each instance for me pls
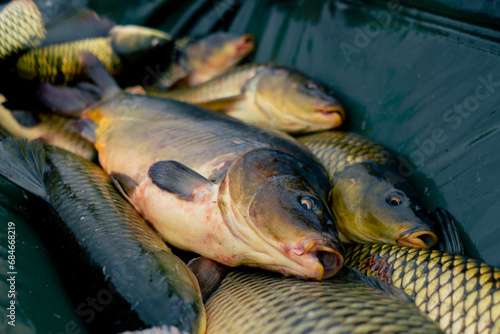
(309, 203)
(395, 198)
(311, 86)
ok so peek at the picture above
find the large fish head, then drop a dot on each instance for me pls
(294, 96)
(279, 207)
(372, 204)
(132, 42)
(216, 53)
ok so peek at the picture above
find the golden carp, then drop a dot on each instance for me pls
(210, 184)
(268, 96)
(196, 60)
(124, 45)
(459, 293)
(370, 201)
(256, 302)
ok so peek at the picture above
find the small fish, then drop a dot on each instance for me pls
(459, 293)
(52, 129)
(120, 51)
(269, 96)
(199, 59)
(371, 202)
(208, 183)
(254, 302)
(121, 274)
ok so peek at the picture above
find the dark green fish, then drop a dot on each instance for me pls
(459, 293)
(371, 202)
(121, 273)
(124, 48)
(255, 302)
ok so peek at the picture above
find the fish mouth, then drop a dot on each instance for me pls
(245, 43)
(330, 259)
(419, 239)
(331, 110)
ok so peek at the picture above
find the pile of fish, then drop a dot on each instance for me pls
(230, 167)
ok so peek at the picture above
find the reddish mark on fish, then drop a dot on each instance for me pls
(377, 266)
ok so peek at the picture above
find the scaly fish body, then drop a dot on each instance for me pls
(106, 249)
(459, 293)
(59, 63)
(255, 302)
(21, 27)
(52, 129)
(371, 202)
(197, 60)
(221, 197)
(269, 96)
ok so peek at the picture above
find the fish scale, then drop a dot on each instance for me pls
(21, 27)
(253, 302)
(461, 294)
(59, 63)
(338, 150)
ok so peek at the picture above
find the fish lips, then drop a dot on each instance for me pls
(417, 237)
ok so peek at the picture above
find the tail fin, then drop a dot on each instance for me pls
(73, 100)
(22, 162)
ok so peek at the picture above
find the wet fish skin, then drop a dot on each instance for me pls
(459, 293)
(256, 302)
(21, 27)
(59, 63)
(271, 96)
(371, 202)
(53, 129)
(196, 60)
(103, 244)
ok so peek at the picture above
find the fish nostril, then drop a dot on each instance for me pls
(248, 39)
(331, 262)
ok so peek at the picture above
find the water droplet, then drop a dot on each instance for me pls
(82, 217)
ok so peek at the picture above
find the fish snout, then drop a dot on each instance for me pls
(245, 43)
(332, 110)
(419, 239)
(330, 258)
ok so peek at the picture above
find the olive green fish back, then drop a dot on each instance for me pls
(255, 302)
(337, 150)
(226, 85)
(21, 27)
(461, 294)
(60, 64)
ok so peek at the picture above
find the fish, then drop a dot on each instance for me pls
(370, 201)
(52, 129)
(271, 96)
(258, 302)
(459, 293)
(120, 272)
(124, 48)
(210, 184)
(196, 60)
(21, 27)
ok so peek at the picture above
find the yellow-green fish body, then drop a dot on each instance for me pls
(459, 293)
(371, 202)
(21, 27)
(256, 303)
(269, 96)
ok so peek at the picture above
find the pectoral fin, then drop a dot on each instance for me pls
(178, 179)
(124, 183)
(208, 273)
(221, 104)
(450, 239)
(86, 127)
